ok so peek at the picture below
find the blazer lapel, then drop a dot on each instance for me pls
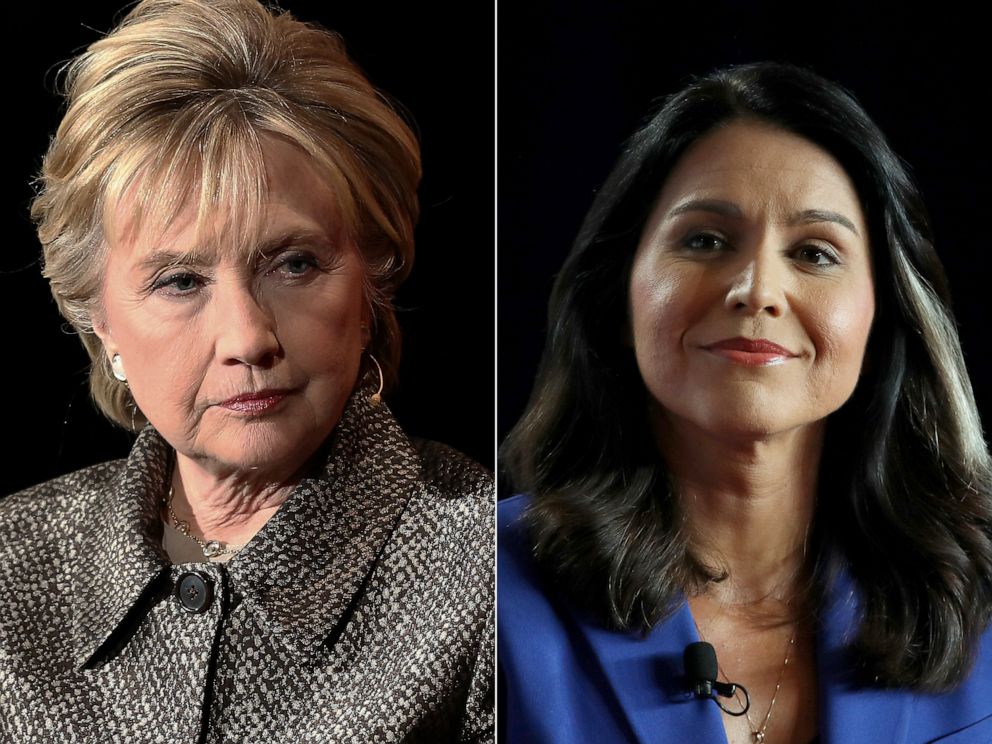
(849, 713)
(646, 675)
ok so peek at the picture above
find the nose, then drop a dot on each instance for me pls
(759, 285)
(246, 329)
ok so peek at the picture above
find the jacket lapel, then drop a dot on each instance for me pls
(849, 713)
(117, 556)
(303, 570)
(646, 675)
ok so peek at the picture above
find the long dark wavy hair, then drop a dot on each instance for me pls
(905, 476)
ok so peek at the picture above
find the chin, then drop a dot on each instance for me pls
(745, 418)
(265, 446)
(749, 430)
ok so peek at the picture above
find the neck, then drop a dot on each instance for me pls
(228, 505)
(749, 502)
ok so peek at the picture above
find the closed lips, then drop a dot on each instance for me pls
(752, 346)
(260, 395)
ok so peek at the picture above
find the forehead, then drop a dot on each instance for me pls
(762, 168)
(182, 214)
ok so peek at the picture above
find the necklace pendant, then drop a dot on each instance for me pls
(212, 548)
(759, 737)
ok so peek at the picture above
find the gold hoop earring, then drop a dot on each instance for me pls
(376, 398)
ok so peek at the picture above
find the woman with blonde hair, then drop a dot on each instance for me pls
(226, 212)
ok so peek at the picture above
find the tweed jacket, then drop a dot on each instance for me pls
(361, 612)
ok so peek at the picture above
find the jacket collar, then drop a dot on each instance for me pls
(300, 572)
(645, 673)
(117, 556)
(647, 677)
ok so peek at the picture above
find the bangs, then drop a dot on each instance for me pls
(208, 163)
(211, 163)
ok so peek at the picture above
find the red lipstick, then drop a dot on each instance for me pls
(751, 352)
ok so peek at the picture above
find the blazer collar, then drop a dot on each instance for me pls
(300, 572)
(646, 675)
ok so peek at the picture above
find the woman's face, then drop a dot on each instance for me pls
(751, 294)
(195, 339)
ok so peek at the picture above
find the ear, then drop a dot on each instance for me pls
(102, 330)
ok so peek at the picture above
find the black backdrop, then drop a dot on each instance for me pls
(446, 381)
(575, 78)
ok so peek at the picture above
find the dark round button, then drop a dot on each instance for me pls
(195, 591)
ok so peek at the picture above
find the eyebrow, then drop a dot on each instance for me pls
(729, 209)
(810, 216)
(197, 256)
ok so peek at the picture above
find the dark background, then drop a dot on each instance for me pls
(576, 78)
(444, 81)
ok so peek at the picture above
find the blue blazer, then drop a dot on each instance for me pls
(566, 680)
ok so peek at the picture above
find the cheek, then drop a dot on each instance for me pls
(845, 326)
(167, 367)
(323, 332)
(662, 305)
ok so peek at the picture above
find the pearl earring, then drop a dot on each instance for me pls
(118, 368)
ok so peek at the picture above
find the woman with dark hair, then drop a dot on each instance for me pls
(752, 427)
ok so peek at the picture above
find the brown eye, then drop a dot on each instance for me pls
(704, 242)
(816, 255)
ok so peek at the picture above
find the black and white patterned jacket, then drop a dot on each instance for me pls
(361, 612)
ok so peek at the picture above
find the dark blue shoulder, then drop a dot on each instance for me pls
(967, 708)
(517, 567)
(509, 510)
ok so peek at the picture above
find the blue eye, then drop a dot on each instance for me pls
(295, 265)
(182, 283)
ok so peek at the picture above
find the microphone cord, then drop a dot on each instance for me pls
(746, 703)
(745, 706)
(757, 733)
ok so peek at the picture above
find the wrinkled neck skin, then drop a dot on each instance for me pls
(226, 504)
(749, 502)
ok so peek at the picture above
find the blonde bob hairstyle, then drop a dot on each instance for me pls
(174, 105)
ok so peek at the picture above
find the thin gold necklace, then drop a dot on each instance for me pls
(210, 548)
(758, 734)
